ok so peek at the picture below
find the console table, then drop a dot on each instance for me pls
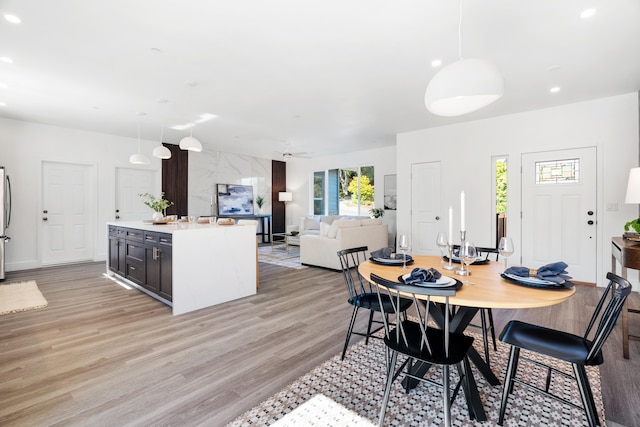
(265, 224)
(627, 253)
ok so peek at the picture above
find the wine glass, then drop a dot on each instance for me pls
(441, 241)
(468, 255)
(404, 244)
(505, 248)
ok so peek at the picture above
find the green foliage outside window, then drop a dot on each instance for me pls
(501, 186)
(366, 190)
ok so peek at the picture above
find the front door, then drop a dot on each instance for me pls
(559, 218)
(67, 231)
(130, 183)
(425, 207)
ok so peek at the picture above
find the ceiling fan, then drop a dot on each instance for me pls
(288, 154)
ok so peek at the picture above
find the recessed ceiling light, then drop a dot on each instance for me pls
(555, 89)
(588, 13)
(12, 18)
(163, 101)
(553, 68)
(6, 60)
(155, 50)
(436, 63)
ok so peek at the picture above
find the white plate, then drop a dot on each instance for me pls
(442, 282)
(531, 280)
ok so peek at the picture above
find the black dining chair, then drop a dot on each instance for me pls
(415, 338)
(362, 295)
(580, 351)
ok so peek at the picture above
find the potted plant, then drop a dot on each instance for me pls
(260, 203)
(376, 212)
(157, 204)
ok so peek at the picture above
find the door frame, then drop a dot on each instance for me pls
(92, 210)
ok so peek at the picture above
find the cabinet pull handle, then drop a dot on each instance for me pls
(131, 268)
(155, 253)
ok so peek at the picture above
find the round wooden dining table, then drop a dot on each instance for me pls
(487, 289)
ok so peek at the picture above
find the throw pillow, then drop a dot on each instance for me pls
(324, 228)
(311, 224)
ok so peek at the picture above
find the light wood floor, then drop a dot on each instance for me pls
(101, 355)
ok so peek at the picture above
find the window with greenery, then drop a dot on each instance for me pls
(349, 191)
(501, 185)
(318, 193)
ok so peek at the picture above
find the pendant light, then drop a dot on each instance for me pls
(139, 158)
(161, 151)
(464, 86)
(190, 143)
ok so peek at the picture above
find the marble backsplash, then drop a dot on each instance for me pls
(208, 168)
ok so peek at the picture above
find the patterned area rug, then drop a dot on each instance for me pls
(278, 255)
(23, 296)
(357, 383)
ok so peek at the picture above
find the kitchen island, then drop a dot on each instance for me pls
(185, 265)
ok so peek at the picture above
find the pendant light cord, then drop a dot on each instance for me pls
(460, 33)
(139, 146)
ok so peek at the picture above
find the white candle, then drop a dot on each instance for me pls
(462, 208)
(450, 225)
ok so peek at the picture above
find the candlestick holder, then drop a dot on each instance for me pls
(462, 271)
(449, 265)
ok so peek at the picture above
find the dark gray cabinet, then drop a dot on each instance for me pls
(158, 264)
(143, 257)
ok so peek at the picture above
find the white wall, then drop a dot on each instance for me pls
(300, 179)
(466, 150)
(25, 146)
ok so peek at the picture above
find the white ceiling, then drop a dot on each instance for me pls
(325, 76)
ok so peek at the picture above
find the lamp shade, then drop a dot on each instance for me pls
(138, 159)
(465, 86)
(162, 152)
(285, 196)
(633, 186)
(191, 144)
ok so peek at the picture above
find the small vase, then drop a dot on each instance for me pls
(260, 210)
(157, 216)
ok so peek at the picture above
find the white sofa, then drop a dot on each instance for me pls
(310, 225)
(321, 249)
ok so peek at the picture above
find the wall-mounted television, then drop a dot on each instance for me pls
(235, 199)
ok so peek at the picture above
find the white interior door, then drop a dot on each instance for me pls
(130, 183)
(67, 232)
(425, 207)
(559, 218)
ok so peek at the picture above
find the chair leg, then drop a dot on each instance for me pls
(350, 330)
(387, 389)
(586, 395)
(366, 340)
(493, 330)
(507, 387)
(485, 338)
(445, 396)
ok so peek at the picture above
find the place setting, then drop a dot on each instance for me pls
(429, 278)
(388, 256)
(551, 276)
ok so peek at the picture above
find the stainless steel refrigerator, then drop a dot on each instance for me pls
(5, 216)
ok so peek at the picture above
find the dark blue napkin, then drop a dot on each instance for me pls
(384, 253)
(554, 272)
(420, 275)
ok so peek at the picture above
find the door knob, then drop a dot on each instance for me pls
(44, 218)
(45, 211)
(590, 222)
(437, 218)
(590, 213)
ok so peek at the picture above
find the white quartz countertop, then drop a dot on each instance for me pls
(169, 228)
